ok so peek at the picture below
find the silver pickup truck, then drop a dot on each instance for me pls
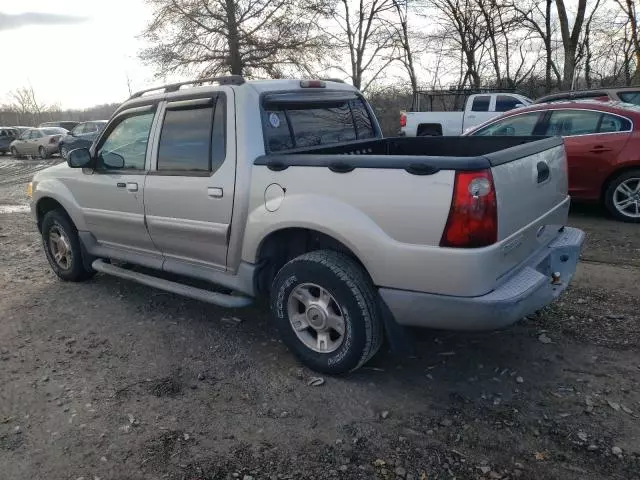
(286, 189)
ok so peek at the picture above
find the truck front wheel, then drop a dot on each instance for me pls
(62, 247)
(326, 310)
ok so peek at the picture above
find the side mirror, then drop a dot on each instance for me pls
(112, 160)
(79, 158)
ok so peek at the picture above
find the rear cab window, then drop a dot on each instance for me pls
(290, 125)
(481, 103)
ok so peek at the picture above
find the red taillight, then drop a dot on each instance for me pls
(403, 120)
(54, 139)
(473, 217)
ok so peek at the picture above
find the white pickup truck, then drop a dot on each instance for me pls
(477, 109)
(285, 189)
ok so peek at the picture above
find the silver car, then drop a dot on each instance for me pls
(42, 142)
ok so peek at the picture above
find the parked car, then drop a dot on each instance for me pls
(286, 189)
(66, 124)
(619, 94)
(603, 148)
(37, 141)
(20, 129)
(81, 136)
(7, 135)
(477, 109)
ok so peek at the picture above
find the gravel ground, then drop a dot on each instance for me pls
(112, 380)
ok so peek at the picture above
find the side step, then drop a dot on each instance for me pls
(221, 299)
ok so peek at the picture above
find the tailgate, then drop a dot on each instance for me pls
(531, 191)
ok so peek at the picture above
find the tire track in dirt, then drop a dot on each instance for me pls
(15, 172)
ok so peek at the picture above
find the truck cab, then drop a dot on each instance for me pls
(442, 117)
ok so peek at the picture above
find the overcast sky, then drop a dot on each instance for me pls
(77, 53)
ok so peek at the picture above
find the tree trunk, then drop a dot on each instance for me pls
(569, 68)
(570, 38)
(547, 46)
(235, 57)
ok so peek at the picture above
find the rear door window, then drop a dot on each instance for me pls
(613, 123)
(193, 138)
(289, 126)
(568, 123)
(504, 103)
(517, 125)
(481, 103)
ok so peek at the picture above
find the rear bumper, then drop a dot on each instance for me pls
(524, 291)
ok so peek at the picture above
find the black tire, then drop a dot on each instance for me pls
(64, 151)
(77, 271)
(354, 293)
(14, 152)
(43, 153)
(611, 191)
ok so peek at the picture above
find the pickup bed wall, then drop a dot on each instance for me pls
(417, 155)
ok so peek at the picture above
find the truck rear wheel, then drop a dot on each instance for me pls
(326, 311)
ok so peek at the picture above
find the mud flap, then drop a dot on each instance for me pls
(400, 343)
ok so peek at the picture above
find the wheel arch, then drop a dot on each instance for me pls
(282, 245)
(433, 127)
(45, 205)
(615, 174)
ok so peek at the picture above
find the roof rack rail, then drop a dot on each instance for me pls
(174, 87)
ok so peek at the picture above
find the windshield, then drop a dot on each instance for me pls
(54, 131)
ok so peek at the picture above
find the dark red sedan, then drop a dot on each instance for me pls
(602, 140)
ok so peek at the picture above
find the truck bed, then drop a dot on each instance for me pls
(397, 193)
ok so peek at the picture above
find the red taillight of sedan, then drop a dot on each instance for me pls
(54, 140)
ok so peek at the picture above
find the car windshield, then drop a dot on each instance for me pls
(54, 131)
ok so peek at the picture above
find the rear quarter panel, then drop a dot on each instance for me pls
(383, 216)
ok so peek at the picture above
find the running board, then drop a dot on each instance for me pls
(221, 299)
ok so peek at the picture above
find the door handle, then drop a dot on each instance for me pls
(214, 192)
(132, 186)
(543, 171)
(600, 149)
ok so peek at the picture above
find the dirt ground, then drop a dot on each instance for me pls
(112, 380)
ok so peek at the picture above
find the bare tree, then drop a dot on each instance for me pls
(629, 9)
(405, 42)
(360, 30)
(24, 100)
(463, 26)
(241, 37)
(537, 18)
(570, 39)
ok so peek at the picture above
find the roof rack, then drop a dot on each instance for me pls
(174, 87)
